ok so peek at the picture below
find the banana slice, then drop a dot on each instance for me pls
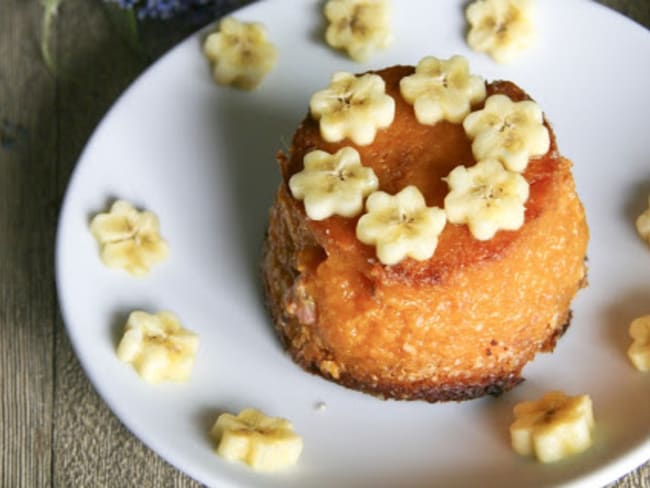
(241, 53)
(639, 351)
(358, 26)
(354, 107)
(553, 428)
(501, 28)
(400, 226)
(158, 347)
(511, 132)
(442, 90)
(264, 443)
(643, 224)
(487, 198)
(333, 184)
(129, 239)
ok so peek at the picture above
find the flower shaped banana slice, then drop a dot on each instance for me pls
(358, 26)
(354, 107)
(511, 132)
(333, 184)
(129, 239)
(158, 347)
(643, 224)
(639, 351)
(553, 428)
(487, 198)
(264, 443)
(241, 53)
(400, 226)
(501, 28)
(442, 90)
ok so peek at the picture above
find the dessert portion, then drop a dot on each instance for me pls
(554, 427)
(452, 310)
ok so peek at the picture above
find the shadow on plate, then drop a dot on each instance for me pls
(253, 133)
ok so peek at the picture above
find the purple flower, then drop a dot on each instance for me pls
(198, 10)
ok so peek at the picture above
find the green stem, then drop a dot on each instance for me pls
(124, 21)
(50, 8)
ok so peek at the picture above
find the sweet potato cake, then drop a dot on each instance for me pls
(457, 326)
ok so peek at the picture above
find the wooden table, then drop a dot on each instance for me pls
(54, 429)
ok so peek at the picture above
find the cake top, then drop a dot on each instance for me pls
(456, 139)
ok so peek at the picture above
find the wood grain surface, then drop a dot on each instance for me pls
(54, 429)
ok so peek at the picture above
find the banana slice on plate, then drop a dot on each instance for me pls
(129, 239)
(353, 106)
(643, 224)
(639, 351)
(264, 443)
(553, 428)
(501, 28)
(241, 53)
(401, 225)
(158, 347)
(358, 26)
(333, 184)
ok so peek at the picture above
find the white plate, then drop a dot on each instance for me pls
(202, 157)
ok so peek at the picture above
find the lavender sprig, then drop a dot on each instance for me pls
(165, 9)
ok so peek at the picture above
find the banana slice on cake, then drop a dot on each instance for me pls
(129, 239)
(510, 132)
(401, 225)
(353, 106)
(333, 184)
(158, 347)
(241, 53)
(264, 443)
(358, 26)
(487, 198)
(553, 428)
(442, 89)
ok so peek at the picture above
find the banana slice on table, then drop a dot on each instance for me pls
(129, 239)
(643, 224)
(400, 226)
(358, 26)
(510, 132)
(158, 347)
(353, 106)
(241, 53)
(501, 28)
(639, 351)
(442, 89)
(333, 184)
(487, 198)
(264, 443)
(553, 428)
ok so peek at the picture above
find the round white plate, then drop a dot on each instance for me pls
(202, 158)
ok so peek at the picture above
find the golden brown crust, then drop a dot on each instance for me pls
(457, 326)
